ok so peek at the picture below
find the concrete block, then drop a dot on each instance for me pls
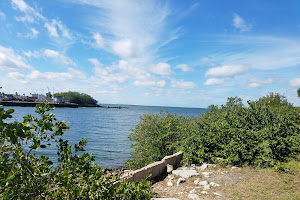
(179, 156)
(140, 174)
(156, 168)
(170, 160)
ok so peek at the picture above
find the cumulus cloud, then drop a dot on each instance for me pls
(58, 57)
(214, 81)
(56, 25)
(256, 83)
(98, 40)
(184, 67)
(9, 60)
(30, 54)
(124, 48)
(105, 76)
(161, 83)
(182, 84)
(34, 33)
(30, 14)
(55, 76)
(295, 82)
(240, 23)
(226, 71)
(161, 69)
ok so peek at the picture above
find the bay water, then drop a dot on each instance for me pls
(106, 129)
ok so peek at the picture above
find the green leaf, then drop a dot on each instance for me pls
(9, 111)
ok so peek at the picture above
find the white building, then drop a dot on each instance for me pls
(40, 97)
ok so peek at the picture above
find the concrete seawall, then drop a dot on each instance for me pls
(155, 169)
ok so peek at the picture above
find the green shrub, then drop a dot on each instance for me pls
(261, 134)
(23, 175)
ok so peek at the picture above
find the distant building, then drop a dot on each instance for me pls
(0, 96)
(38, 97)
(59, 99)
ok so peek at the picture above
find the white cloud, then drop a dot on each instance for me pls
(182, 84)
(240, 23)
(214, 81)
(295, 82)
(98, 40)
(104, 76)
(161, 69)
(124, 48)
(256, 83)
(52, 29)
(149, 83)
(34, 33)
(184, 67)
(30, 54)
(54, 76)
(2, 15)
(58, 57)
(11, 61)
(30, 14)
(206, 62)
(226, 71)
(136, 31)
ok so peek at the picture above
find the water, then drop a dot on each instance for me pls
(106, 130)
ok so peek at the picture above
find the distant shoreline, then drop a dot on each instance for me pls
(63, 105)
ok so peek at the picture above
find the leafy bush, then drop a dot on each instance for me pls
(24, 175)
(262, 134)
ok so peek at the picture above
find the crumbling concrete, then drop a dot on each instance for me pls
(153, 170)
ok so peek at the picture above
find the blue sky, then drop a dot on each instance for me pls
(189, 53)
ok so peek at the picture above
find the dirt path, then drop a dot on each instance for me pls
(214, 182)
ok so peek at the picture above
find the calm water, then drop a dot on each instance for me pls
(106, 130)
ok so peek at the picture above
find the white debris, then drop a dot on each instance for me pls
(204, 192)
(193, 191)
(169, 183)
(206, 187)
(180, 180)
(206, 174)
(170, 168)
(193, 196)
(203, 183)
(214, 184)
(185, 173)
(217, 194)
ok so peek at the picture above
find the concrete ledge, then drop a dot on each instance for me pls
(155, 169)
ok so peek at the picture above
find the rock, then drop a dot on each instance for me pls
(169, 183)
(214, 184)
(204, 192)
(185, 173)
(197, 181)
(203, 183)
(233, 167)
(206, 174)
(206, 187)
(193, 191)
(170, 168)
(217, 194)
(164, 199)
(193, 196)
(180, 180)
(203, 166)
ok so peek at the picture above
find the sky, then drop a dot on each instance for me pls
(190, 53)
